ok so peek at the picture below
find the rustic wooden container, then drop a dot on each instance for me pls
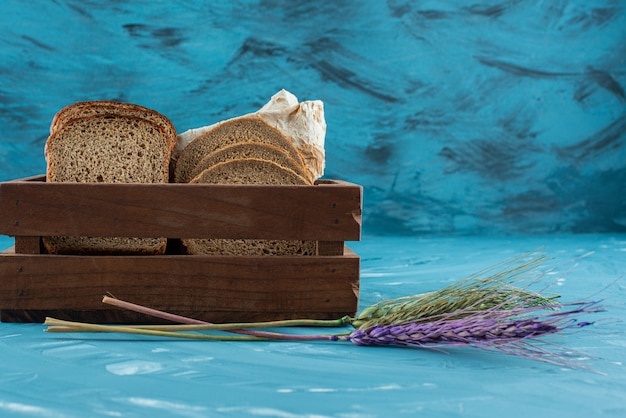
(212, 288)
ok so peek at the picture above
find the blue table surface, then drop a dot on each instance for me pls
(71, 375)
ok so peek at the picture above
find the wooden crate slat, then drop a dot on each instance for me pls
(28, 245)
(329, 211)
(253, 285)
(330, 247)
(210, 288)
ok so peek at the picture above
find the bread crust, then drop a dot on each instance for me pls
(237, 130)
(249, 171)
(112, 148)
(248, 150)
(111, 107)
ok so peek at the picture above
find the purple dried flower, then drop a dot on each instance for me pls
(456, 331)
(513, 331)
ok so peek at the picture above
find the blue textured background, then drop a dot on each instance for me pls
(457, 117)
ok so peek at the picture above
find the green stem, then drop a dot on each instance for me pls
(69, 325)
(230, 326)
(57, 325)
(234, 328)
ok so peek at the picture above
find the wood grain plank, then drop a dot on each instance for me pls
(330, 247)
(240, 286)
(329, 211)
(28, 245)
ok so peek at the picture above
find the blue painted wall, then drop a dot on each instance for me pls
(457, 117)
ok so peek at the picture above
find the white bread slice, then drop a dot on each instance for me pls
(302, 123)
(249, 171)
(242, 129)
(110, 149)
(246, 150)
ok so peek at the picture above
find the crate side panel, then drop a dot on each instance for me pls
(177, 284)
(327, 212)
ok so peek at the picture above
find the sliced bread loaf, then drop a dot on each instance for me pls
(250, 247)
(245, 150)
(111, 149)
(104, 245)
(243, 129)
(249, 171)
(302, 123)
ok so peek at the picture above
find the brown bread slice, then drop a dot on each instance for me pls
(107, 149)
(110, 107)
(249, 171)
(248, 150)
(104, 245)
(110, 149)
(243, 129)
(249, 247)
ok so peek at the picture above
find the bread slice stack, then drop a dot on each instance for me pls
(252, 149)
(108, 142)
(245, 129)
(249, 150)
(302, 123)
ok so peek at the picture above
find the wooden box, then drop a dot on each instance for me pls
(213, 288)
